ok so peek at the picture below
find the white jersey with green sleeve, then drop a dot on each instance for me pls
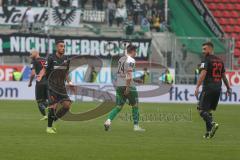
(125, 64)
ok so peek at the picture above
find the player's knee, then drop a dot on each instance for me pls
(53, 106)
(66, 104)
(203, 113)
(42, 104)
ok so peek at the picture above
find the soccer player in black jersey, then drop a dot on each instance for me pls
(56, 70)
(41, 86)
(212, 72)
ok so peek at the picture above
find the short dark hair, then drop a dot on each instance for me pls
(59, 41)
(131, 47)
(210, 44)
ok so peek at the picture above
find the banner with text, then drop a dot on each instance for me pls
(104, 47)
(177, 94)
(58, 16)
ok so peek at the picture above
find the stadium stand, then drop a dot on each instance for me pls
(227, 13)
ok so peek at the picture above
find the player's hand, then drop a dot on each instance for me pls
(229, 91)
(196, 91)
(29, 84)
(126, 92)
(39, 78)
(140, 81)
(72, 87)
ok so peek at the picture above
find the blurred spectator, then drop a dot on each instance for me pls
(111, 12)
(43, 3)
(146, 76)
(145, 25)
(64, 3)
(129, 26)
(155, 7)
(93, 75)
(137, 11)
(83, 2)
(97, 4)
(155, 23)
(14, 2)
(16, 75)
(100, 5)
(31, 3)
(117, 2)
(29, 16)
(168, 77)
(129, 5)
(94, 4)
(55, 3)
(121, 14)
(146, 8)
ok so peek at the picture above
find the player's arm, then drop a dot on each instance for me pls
(128, 80)
(200, 80)
(31, 77)
(129, 77)
(70, 84)
(225, 81)
(203, 73)
(41, 74)
(43, 71)
(68, 79)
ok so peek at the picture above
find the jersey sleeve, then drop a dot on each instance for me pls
(204, 65)
(223, 68)
(68, 62)
(49, 63)
(31, 65)
(130, 65)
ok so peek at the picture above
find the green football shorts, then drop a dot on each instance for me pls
(132, 97)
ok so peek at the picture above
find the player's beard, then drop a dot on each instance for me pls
(206, 54)
(61, 53)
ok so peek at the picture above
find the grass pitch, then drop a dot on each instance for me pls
(173, 132)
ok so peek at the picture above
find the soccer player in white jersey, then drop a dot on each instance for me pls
(126, 89)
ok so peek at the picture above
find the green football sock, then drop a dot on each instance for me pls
(114, 112)
(135, 115)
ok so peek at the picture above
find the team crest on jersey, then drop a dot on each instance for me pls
(202, 65)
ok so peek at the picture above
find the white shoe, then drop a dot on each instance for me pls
(107, 124)
(138, 128)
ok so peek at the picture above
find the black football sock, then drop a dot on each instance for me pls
(208, 120)
(51, 117)
(41, 107)
(211, 116)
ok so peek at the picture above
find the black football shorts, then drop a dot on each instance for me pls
(209, 99)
